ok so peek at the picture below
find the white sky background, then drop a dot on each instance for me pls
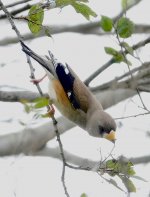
(35, 176)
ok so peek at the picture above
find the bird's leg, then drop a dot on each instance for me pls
(51, 110)
(37, 81)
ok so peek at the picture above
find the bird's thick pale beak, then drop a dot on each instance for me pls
(110, 136)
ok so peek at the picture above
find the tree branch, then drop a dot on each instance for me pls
(16, 3)
(17, 11)
(83, 162)
(28, 6)
(70, 158)
(87, 28)
(140, 160)
(113, 83)
(10, 20)
(17, 96)
(54, 29)
(112, 61)
(31, 139)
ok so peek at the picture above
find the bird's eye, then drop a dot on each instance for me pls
(101, 130)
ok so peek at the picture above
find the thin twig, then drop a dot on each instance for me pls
(16, 3)
(127, 63)
(104, 160)
(41, 93)
(17, 11)
(132, 116)
(63, 160)
(11, 21)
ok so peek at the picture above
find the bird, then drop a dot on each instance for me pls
(73, 98)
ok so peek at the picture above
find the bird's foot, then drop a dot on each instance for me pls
(51, 110)
(37, 81)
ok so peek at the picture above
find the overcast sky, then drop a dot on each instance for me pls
(34, 176)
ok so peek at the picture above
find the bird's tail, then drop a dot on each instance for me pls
(48, 64)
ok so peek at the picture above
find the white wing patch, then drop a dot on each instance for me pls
(69, 94)
(66, 70)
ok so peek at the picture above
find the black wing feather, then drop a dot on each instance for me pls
(67, 81)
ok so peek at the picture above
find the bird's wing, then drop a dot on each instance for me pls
(78, 94)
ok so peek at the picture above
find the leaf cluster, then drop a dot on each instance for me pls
(36, 14)
(36, 107)
(124, 28)
(124, 169)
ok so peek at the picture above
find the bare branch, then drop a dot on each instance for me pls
(41, 93)
(87, 28)
(70, 158)
(132, 116)
(140, 160)
(32, 139)
(16, 3)
(17, 11)
(144, 89)
(113, 82)
(28, 6)
(10, 20)
(83, 162)
(17, 96)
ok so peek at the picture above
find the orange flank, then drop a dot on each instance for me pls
(62, 102)
(65, 107)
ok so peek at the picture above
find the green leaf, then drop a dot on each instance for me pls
(128, 184)
(27, 107)
(106, 23)
(127, 3)
(35, 17)
(118, 57)
(125, 27)
(111, 164)
(41, 102)
(62, 3)
(83, 195)
(120, 166)
(45, 115)
(114, 183)
(127, 47)
(139, 178)
(124, 166)
(83, 9)
(22, 123)
(47, 32)
(130, 172)
(124, 4)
